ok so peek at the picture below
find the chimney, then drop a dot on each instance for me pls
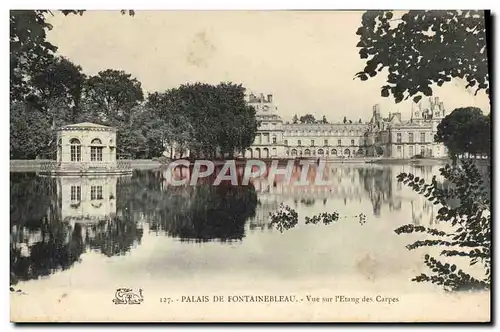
(441, 106)
(376, 109)
(261, 97)
(269, 98)
(436, 100)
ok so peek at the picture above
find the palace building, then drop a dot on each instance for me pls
(389, 137)
(86, 148)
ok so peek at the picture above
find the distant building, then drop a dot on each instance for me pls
(385, 137)
(405, 139)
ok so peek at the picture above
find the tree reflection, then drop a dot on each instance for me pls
(113, 236)
(47, 235)
(199, 213)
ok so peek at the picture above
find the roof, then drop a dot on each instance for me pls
(86, 125)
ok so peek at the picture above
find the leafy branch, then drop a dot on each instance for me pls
(471, 219)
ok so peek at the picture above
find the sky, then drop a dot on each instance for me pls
(306, 59)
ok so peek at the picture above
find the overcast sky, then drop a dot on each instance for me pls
(307, 60)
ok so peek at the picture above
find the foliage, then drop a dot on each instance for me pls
(206, 119)
(295, 119)
(470, 219)
(61, 83)
(285, 218)
(345, 120)
(30, 132)
(422, 48)
(112, 95)
(308, 118)
(465, 130)
(324, 120)
(325, 218)
(30, 52)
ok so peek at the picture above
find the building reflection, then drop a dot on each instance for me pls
(56, 220)
(373, 184)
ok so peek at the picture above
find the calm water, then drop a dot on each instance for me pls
(133, 231)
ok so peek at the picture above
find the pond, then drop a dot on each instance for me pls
(89, 233)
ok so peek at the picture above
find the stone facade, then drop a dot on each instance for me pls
(389, 137)
(86, 148)
(86, 142)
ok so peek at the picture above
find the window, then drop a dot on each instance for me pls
(274, 152)
(422, 150)
(95, 192)
(266, 136)
(339, 142)
(75, 149)
(312, 142)
(410, 137)
(352, 142)
(96, 150)
(398, 139)
(411, 151)
(299, 142)
(365, 141)
(274, 139)
(422, 137)
(96, 153)
(326, 142)
(286, 142)
(76, 193)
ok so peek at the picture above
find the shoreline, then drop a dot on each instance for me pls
(33, 165)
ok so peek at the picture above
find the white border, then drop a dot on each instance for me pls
(193, 4)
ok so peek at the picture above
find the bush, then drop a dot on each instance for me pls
(471, 220)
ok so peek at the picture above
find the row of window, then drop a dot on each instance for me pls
(321, 152)
(410, 138)
(327, 133)
(95, 153)
(325, 142)
(411, 151)
(76, 141)
(95, 193)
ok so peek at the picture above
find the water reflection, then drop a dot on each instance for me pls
(191, 213)
(54, 221)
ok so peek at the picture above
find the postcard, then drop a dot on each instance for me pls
(250, 166)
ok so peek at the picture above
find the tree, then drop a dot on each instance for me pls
(359, 120)
(60, 84)
(308, 118)
(345, 120)
(208, 120)
(30, 132)
(465, 130)
(324, 120)
(422, 48)
(30, 52)
(112, 95)
(295, 119)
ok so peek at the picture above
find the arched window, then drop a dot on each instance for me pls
(96, 150)
(334, 152)
(307, 152)
(321, 152)
(294, 152)
(75, 149)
